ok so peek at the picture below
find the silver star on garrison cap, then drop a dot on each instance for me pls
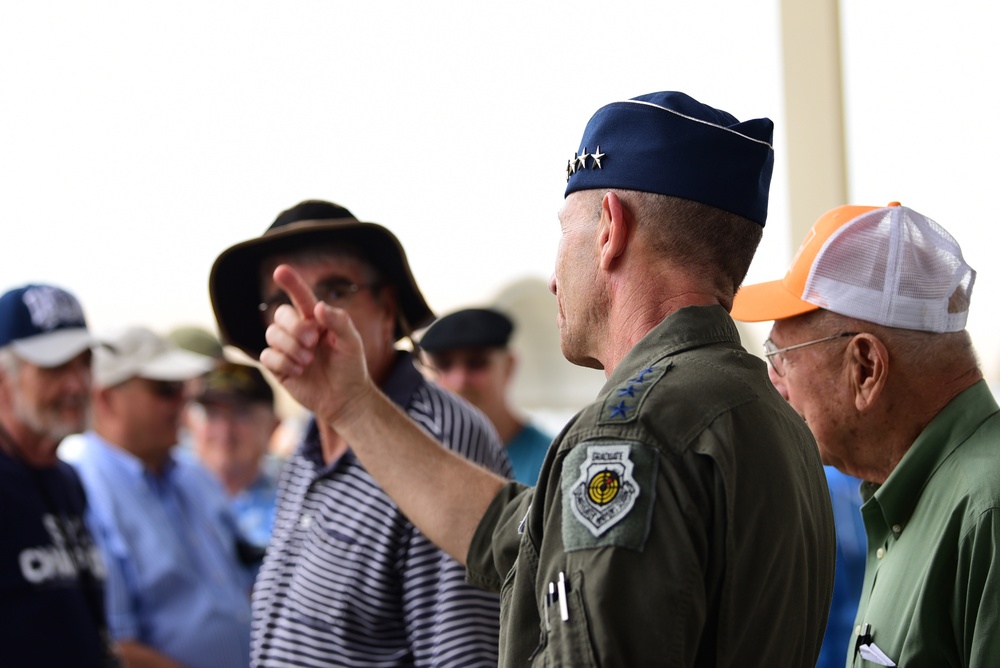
(581, 162)
(597, 155)
(571, 166)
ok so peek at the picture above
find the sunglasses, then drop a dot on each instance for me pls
(165, 389)
(443, 362)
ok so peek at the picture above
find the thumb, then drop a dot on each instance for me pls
(343, 338)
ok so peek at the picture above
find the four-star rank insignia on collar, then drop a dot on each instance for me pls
(579, 161)
(622, 403)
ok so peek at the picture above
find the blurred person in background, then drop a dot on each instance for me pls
(232, 420)
(51, 573)
(195, 339)
(177, 594)
(467, 352)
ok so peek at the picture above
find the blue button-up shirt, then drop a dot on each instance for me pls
(254, 509)
(169, 541)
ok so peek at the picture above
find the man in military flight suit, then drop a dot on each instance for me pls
(683, 518)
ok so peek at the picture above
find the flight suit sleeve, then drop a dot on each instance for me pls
(494, 546)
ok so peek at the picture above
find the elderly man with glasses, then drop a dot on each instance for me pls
(851, 540)
(347, 579)
(869, 346)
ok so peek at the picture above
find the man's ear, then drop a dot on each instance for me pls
(510, 364)
(613, 230)
(99, 396)
(869, 371)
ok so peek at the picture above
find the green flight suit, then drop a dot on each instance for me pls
(682, 519)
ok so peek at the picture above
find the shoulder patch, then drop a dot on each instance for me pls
(607, 493)
(623, 402)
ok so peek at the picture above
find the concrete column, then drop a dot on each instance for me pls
(814, 111)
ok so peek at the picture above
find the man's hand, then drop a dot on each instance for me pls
(317, 354)
(315, 351)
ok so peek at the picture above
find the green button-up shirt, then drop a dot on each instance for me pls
(682, 519)
(932, 581)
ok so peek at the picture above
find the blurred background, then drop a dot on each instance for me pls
(140, 139)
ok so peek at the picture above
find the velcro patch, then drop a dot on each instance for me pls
(608, 490)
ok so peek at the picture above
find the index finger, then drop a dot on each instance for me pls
(297, 290)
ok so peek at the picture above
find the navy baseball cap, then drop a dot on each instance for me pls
(671, 144)
(468, 328)
(44, 325)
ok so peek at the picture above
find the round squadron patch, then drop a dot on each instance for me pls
(606, 490)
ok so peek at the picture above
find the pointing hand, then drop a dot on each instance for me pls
(314, 350)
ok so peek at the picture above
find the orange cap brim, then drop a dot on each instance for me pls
(768, 301)
(776, 300)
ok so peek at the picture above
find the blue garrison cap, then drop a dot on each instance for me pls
(671, 144)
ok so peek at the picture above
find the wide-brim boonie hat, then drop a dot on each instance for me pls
(234, 282)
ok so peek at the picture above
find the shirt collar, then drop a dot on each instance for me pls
(128, 463)
(684, 329)
(899, 494)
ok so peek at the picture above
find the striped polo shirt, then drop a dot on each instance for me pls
(348, 581)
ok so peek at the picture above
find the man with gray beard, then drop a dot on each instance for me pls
(51, 575)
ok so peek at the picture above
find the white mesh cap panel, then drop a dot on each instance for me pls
(893, 267)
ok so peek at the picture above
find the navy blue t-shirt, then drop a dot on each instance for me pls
(51, 574)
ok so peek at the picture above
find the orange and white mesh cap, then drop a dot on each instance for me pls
(888, 265)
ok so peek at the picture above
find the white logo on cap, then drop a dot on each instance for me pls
(49, 307)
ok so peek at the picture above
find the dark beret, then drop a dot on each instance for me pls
(468, 328)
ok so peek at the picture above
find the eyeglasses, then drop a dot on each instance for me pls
(774, 354)
(332, 291)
